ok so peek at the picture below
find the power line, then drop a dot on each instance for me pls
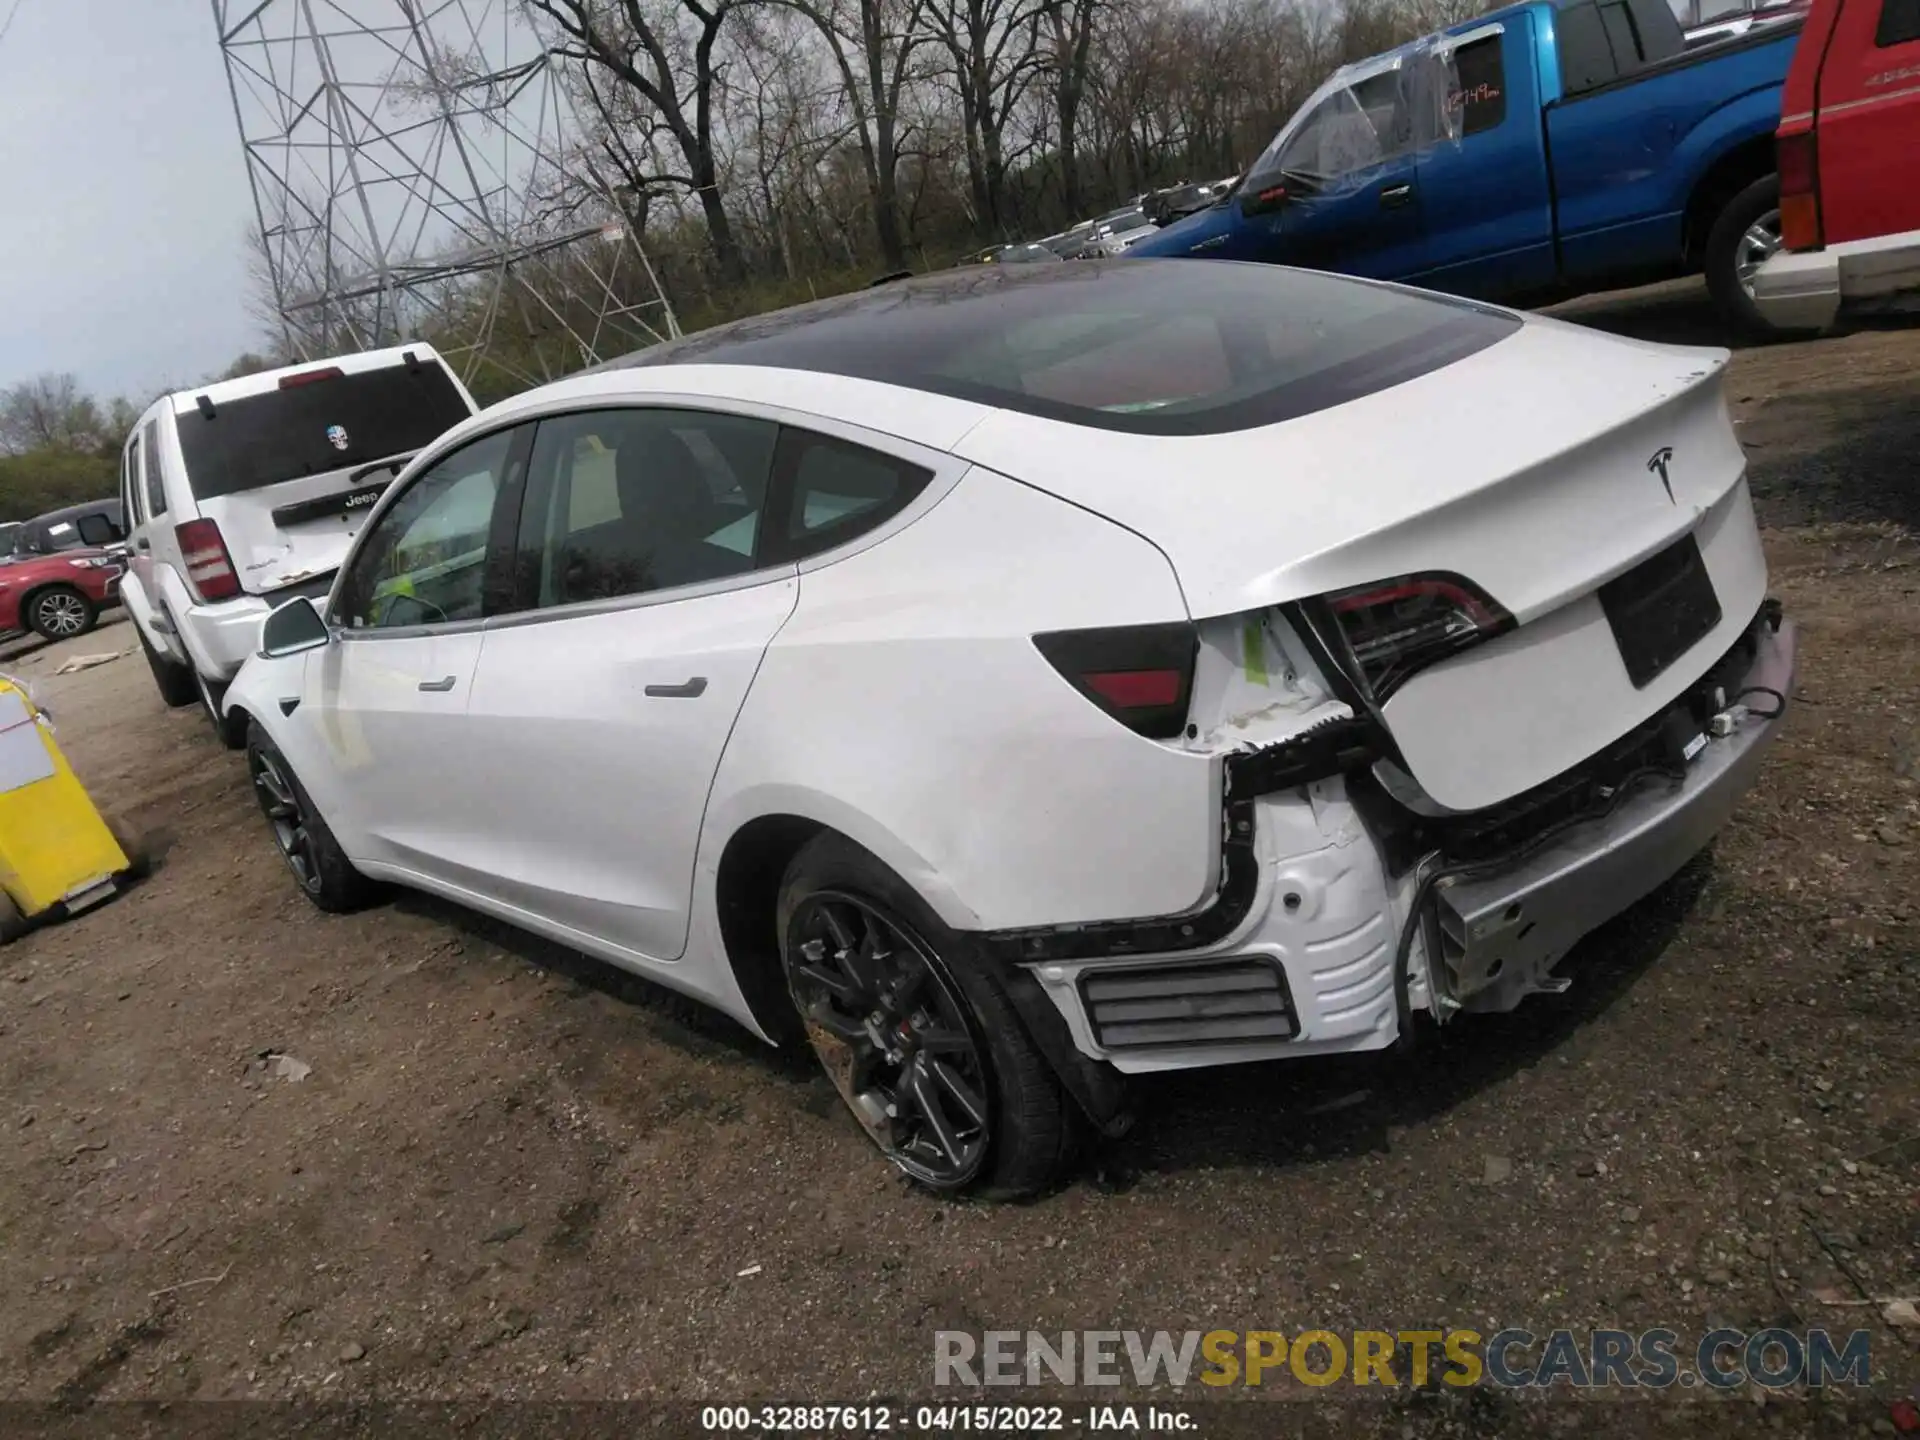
(7, 24)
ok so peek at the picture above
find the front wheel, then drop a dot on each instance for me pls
(1743, 238)
(320, 867)
(60, 612)
(917, 1036)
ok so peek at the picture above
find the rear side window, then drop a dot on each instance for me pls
(840, 491)
(130, 481)
(311, 426)
(1479, 96)
(1899, 23)
(1586, 59)
(156, 478)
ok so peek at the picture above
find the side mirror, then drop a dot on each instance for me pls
(1275, 191)
(1265, 200)
(294, 627)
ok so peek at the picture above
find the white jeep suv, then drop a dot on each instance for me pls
(242, 494)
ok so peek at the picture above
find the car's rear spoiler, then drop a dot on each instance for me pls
(363, 497)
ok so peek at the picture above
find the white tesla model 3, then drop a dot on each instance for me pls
(1014, 678)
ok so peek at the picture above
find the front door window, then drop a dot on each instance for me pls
(424, 561)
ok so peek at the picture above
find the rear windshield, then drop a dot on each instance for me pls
(1157, 347)
(317, 426)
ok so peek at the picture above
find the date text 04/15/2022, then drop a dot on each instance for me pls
(943, 1419)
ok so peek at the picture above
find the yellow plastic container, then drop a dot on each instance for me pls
(57, 856)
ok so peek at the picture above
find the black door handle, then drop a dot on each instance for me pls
(687, 690)
(439, 685)
(1396, 195)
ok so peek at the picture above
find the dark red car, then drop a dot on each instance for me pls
(1849, 159)
(60, 595)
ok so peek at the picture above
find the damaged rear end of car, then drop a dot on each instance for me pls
(1464, 703)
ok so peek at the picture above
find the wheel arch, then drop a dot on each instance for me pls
(135, 602)
(746, 894)
(1729, 174)
(236, 721)
(752, 862)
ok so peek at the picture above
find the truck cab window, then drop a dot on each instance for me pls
(1479, 96)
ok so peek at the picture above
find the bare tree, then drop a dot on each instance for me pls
(643, 44)
(872, 43)
(1071, 26)
(49, 412)
(994, 47)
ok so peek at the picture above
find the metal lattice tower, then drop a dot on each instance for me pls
(415, 172)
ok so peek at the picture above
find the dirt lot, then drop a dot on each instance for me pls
(511, 1173)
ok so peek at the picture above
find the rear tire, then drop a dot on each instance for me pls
(61, 612)
(319, 866)
(174, 681)
(961, 1100)
(1740, 239)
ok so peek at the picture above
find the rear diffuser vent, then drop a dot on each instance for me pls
(1224, 1002)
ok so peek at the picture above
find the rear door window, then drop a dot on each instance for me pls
(1899, 23)
(315, 426)
(1479, 93)
(628, 501)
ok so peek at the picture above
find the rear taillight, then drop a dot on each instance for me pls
(1397, 628)
(311, 377)
(209, 569)
(1799, 164)
(1139, 674)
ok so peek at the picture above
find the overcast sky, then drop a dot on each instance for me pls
(126, 203)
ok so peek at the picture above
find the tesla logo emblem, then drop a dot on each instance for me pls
(1658, 466)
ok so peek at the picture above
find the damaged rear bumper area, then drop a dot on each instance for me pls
(1339, 914)
(1502, 932)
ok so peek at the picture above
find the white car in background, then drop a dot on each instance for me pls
(241, 494)
(1016, 678)
(1114, 234)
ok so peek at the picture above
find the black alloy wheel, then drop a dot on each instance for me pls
(893, 1035)
(280, 802)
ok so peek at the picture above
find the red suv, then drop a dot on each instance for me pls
(58, 596)
(1848, 152)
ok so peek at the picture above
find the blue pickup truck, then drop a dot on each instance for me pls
(1546, 149)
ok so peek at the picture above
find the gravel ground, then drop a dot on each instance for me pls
(512, 1174)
